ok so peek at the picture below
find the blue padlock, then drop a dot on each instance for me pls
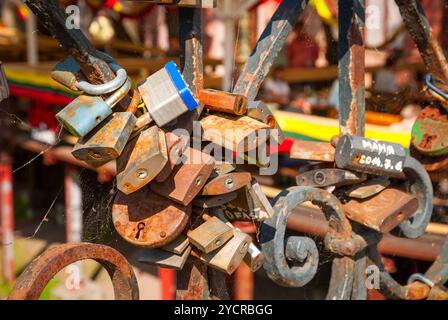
(84, 113)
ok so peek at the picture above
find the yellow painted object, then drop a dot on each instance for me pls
(323, 11)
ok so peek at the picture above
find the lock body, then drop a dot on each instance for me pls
(370, 156)
(175, 147)
(226, 183)
(188, 178)
(368, 188)
(320, 178)
(142, 160)
(83, 114)
(228, 257)
(210, 235)
(384, 211)
(148, 220)
(166, 95)
(312, 151)
(106, 142)
(164, 258)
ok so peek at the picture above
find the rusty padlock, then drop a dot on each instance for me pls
(226, 183)
(107, 140)
(164, 259)
(251, 204)
(142, 160)
(228, 257)
(312, 151)
(84, 113)
(384, 211)
(368, 188)
(188, 178)
(222, 167)
(258, 110)
(210, 235)
(320, 178)
(234, 133)
(167, 95)
(146, 219)
(176, 146)
(222, 101)
(370, 156)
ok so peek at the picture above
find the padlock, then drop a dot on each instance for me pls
(384, 211)
(107, 140)
(142, 160)
(226, 183)
(163, 258)
(188, 178)
(84, 113)
(234, 133)
(320, 178)
(368, 188)
(67, 72)
(254, 258)
(251, 204)
(430, 132)
(187, 3)
(176, 146)
(210, 235)
(222, 101)
(167, 95)
(222, 167)
(312, 151)
(207, 202)
(148, 220)
(258, 110)
(370, 156)
(228, 257)
(178, 245)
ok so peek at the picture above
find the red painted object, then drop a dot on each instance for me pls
(167, 278)
(7, 218)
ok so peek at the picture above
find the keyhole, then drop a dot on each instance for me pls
(140, 227)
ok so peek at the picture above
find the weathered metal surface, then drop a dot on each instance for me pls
(420, 30)
(207, 202)
(351, 67)
(192, 281)
(329, 177)
(258, 110)
(384, 211)
(437, 273)
(234, 133)
(254, 258)
(312, 151)
(178, 245)
(430, 132)
(187, 179)
(175, 148)
(142, 160)
(269, 44)
(146, 219)
(163, 258)
(370, 156)
(210, 235)
(368, 188)
(223, 101)
(222, 168)
(41, 270)
(431, 164)
(420, 186)
(226, 183)
(229, 256)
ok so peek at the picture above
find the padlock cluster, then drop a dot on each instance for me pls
(174, 200)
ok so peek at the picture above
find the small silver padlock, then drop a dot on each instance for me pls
(167, 95)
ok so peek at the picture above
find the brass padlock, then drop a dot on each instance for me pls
(142, 160)
(222, 101)
(164, 259)
(234, 133)
(226, 183)
(188, 178)
(228, 257)
(107, 140)
(210, 235)
(148, 220)
(259, 111)
(176, 146)
(384, 211)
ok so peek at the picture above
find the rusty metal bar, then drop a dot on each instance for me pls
(269, 44)
(192, 281)
(6, 217)
(351, 67)
(420, 30)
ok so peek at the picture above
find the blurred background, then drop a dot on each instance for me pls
(48, 205)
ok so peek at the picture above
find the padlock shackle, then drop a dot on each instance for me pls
(133, 106)
(108, 87)
(118, 95)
